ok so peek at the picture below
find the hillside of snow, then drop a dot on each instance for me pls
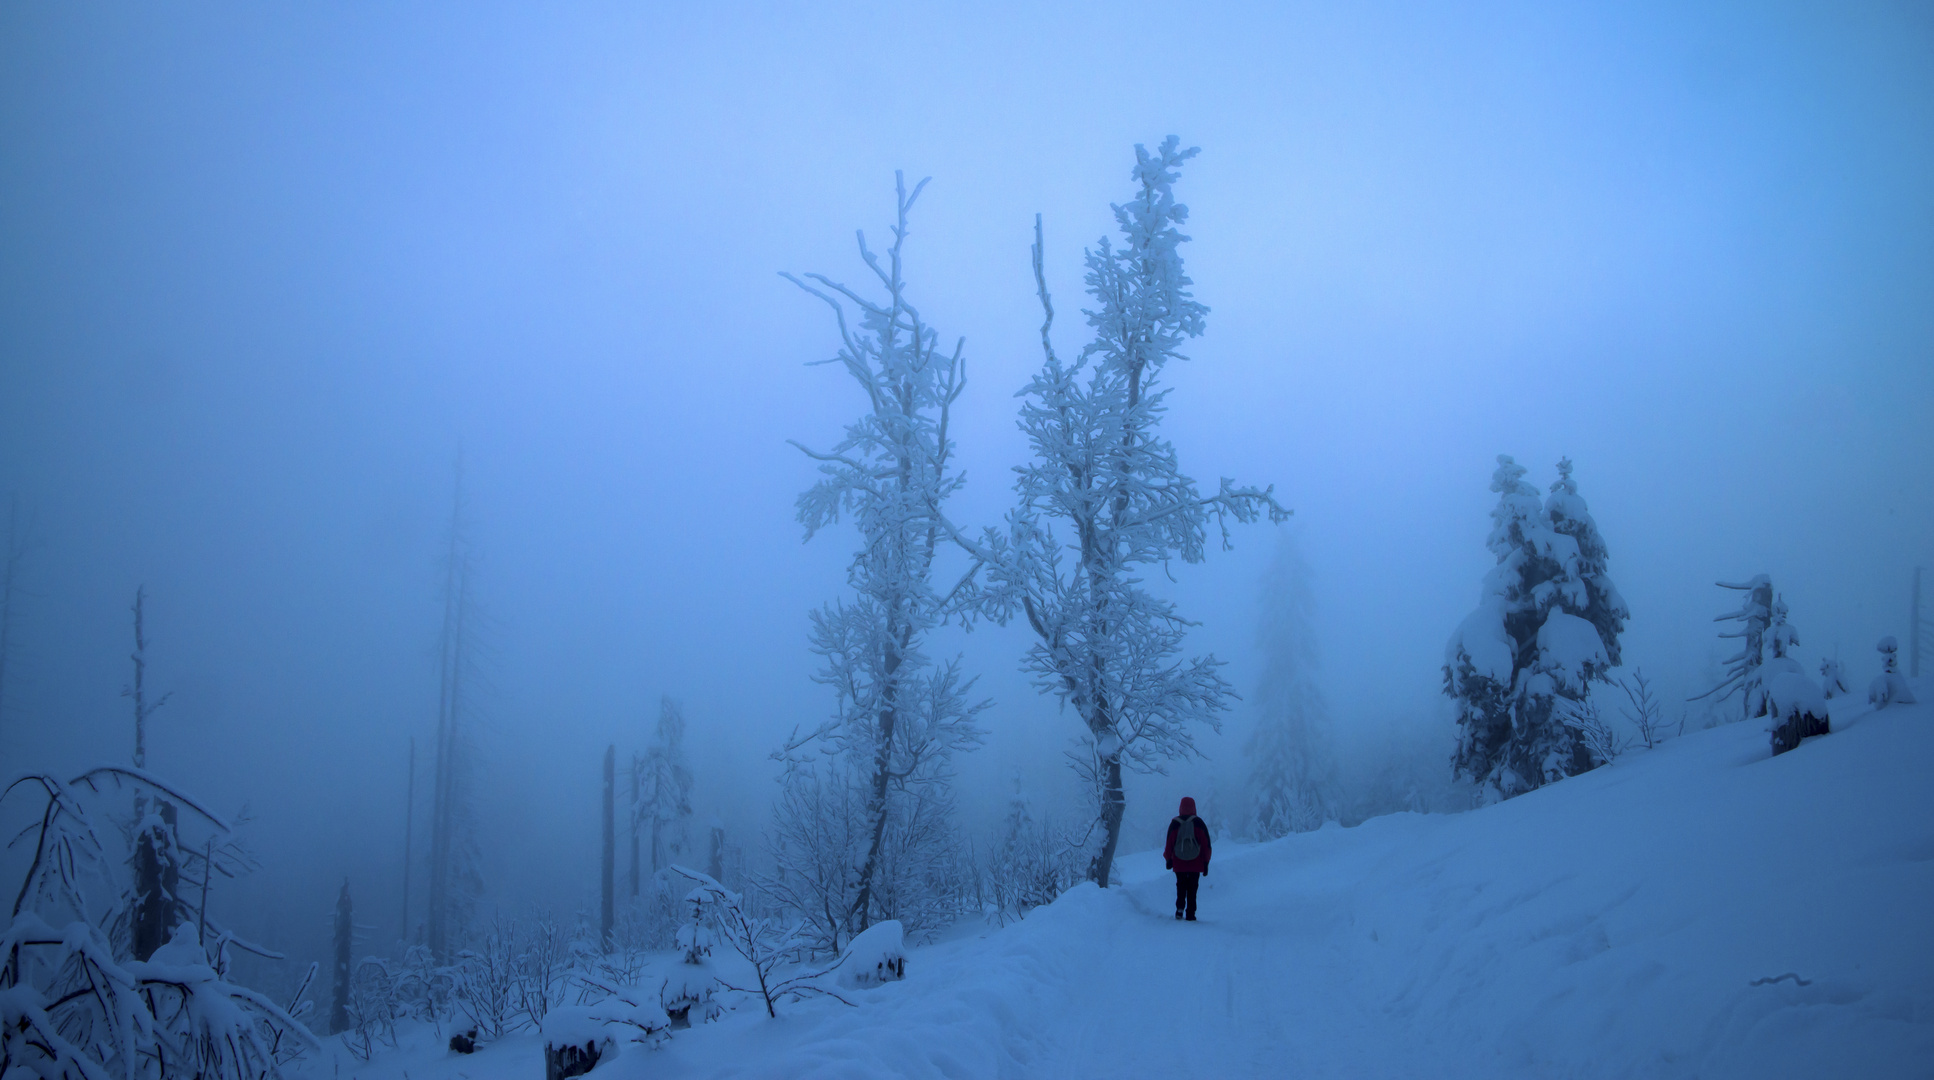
(1699, 910)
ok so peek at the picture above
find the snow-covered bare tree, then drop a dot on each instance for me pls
(899, 716)
(1293, 772)
(1103, 498)
(662, 780)
(456, 878)
(1546, 627)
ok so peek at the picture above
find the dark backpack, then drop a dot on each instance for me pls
(1185, 846)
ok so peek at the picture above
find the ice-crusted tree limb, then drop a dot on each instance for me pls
(899, 717)
(1103, 498)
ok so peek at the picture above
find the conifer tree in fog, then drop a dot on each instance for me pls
(898, 715)
(456, 879)
(1104, 501)
(1292, 771)
(1547, 625)
(662, 781)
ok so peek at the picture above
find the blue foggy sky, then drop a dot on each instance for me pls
(268, 268)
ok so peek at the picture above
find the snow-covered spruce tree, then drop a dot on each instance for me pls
(662, 809)
(899, 717)
(1743, 675)
(456, 879)
(1102, 470)
(1546, 627)
(1293, 773)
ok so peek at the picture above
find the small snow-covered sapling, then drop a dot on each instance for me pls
(1888, 687)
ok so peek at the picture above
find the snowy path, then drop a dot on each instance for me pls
(1696, 911)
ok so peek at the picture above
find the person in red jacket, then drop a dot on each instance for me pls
(1187, 853)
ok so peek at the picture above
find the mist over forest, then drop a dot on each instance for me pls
(314, 317)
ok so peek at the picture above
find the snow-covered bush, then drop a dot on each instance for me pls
(1888, 687)
(877, 956)
(74, 1002)
(1643, 711)
(690, 985)
(1028, 864)
(487, 986)
(576, 1040)
(375, 1005)
(543, 964)
(1833, 679)
(767, 944)
(1794, 707)
(1594, 733)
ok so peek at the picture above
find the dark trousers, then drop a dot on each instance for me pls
(1185, 885)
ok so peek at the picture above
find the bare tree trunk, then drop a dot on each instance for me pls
(142, 710)
(861, 914)
(409, 822)
(345, 942)
(606, 919)
(446, 793)
(157, 870)
(157, 884)
(634, 826)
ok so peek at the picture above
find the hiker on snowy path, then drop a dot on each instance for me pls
(1187, 853)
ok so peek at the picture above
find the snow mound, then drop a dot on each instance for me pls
(877, 955)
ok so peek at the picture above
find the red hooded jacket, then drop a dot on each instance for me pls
(1199, 864)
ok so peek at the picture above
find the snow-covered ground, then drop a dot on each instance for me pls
(1701, 910)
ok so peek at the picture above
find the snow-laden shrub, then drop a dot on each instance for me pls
(1888, 687)
(74, 1003)
(488, 987)
(1795, 707)
(770, 945)
(1833, 679)
(576, 1040)
(690, 985)
(878, 955)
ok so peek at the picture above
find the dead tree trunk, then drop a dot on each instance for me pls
(409, 821)
(157, 883)
(345, 938)
(607, 916)
(634, 826)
